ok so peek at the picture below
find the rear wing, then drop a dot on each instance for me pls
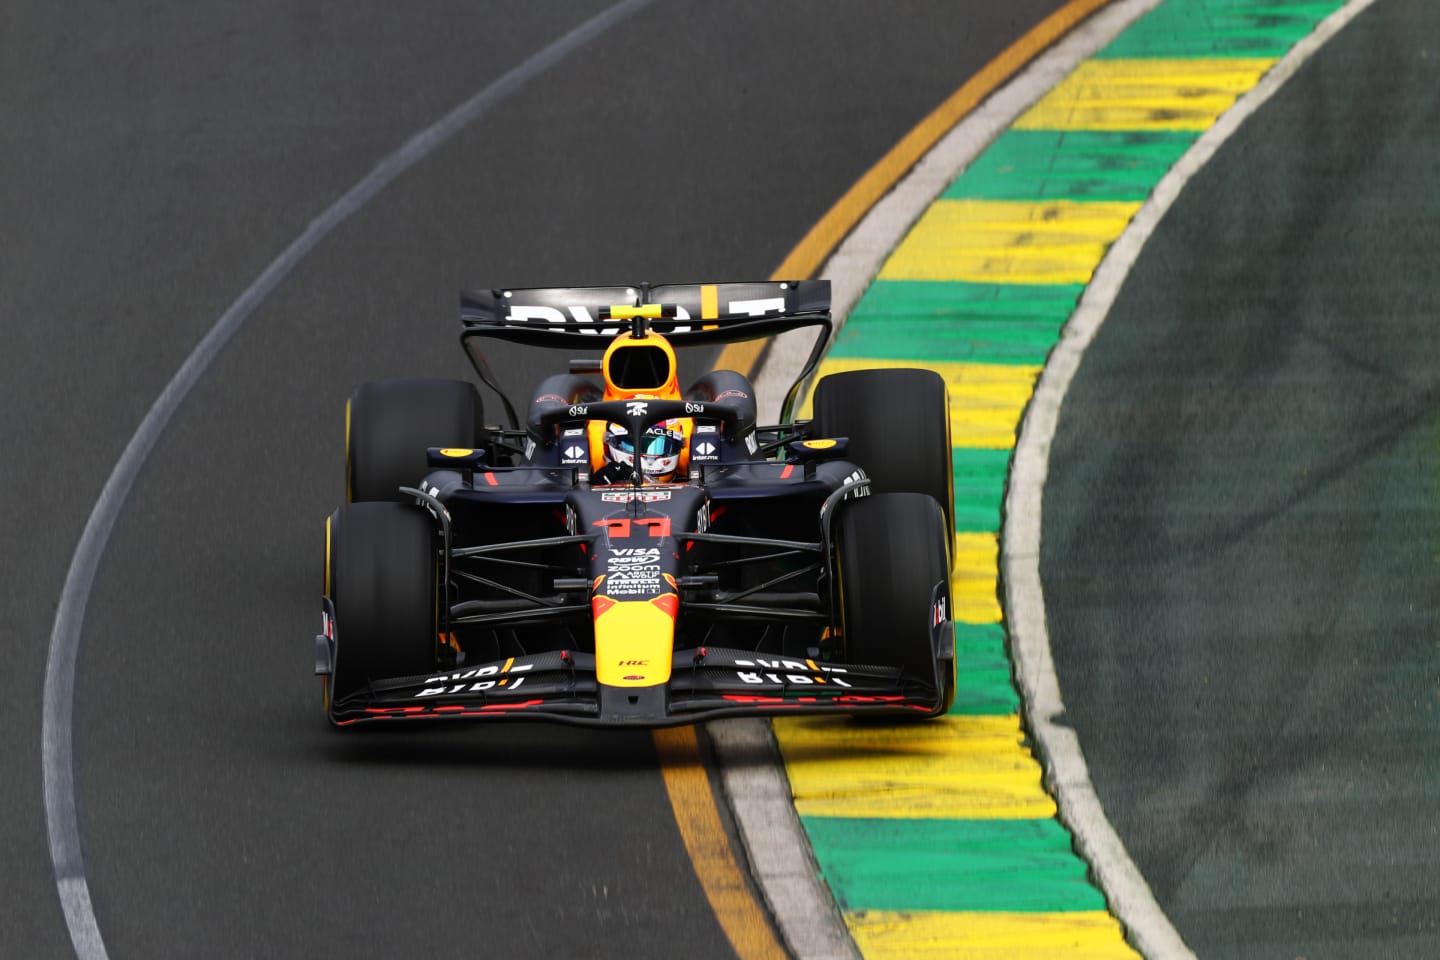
(695, 314)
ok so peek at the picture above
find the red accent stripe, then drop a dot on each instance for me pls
(789, 469)
(796, 701)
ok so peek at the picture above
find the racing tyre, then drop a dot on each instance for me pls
(388, 425)
(898, 425)
(381, 576)
(891, 552)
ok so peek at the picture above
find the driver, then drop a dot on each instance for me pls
(661, 450)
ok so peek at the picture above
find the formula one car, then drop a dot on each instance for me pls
(632, 554)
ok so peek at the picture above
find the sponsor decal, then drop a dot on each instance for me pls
(456, 451)
(574, 432)
(787, 665)
(818, 444)
(750, 443)
(706, 450)
(581, 320)
(631, 496)
(787, 679)
(769, 671)
(574, 454)
(637, 408)
(706, 428)
(851, 491)
(475, 680)
(733, 395)
(429, 502)
(853, 479)
(529, 448)
(693, 407)
(577, 318)
(579, 410)
(633, 571)
(623, 556)
(939, 617)
(551, 398)
(758, 308)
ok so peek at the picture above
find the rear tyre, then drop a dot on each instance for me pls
(388, 425)
(898, 425)
(891, 552)
(382, 581)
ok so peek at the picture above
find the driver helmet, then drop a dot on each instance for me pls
(660, 448)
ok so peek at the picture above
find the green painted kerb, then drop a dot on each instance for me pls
(956, 322)
(979, 488)
(982, 668)
(1020, 866)
(1093, 165)
(1220, 28)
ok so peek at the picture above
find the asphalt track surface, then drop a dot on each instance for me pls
(1242, 523)
(156, 159)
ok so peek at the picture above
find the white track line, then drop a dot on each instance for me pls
(57, 717)
(1066, 773)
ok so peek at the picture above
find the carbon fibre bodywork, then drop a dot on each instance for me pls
(637, 603)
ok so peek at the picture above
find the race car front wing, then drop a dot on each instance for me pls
(705, 683)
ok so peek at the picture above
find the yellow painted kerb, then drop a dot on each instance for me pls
(1145, 94)
(1052, 242)
(924, 935)
(970, 767)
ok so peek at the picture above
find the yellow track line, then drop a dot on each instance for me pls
(744, 923)
(826, 235)
(706, 841)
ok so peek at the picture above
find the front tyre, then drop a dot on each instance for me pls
(382, 580)
(898, 425)
(390, 423)
(891, 556)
